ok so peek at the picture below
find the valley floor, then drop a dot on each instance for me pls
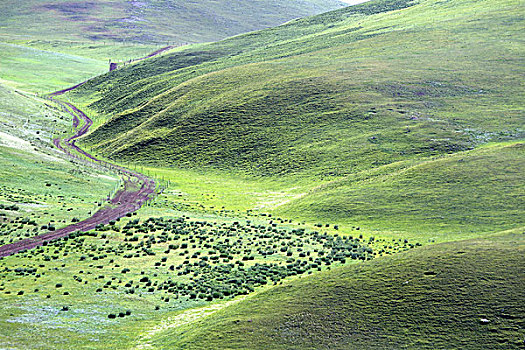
(352, 180)
(204, 262)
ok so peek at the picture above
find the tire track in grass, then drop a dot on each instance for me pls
(137, 189)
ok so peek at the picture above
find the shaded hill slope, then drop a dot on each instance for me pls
(328, 96)
(436, 297)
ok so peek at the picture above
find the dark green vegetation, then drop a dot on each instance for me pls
(212, 260)
(156, 266)
(466, 295)
(147, 21)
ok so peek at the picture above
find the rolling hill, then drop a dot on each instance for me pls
(363, 103)
(173, 21)
(325, 96)
(351, 180)
(459, 295)
(454, 197)
(69, 41)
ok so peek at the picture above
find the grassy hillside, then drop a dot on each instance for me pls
(461, 195)
(305, 166)
(37, 70)
(69, 41)
(437, 297)
(327, 96)
(39, 189)
(147, 21)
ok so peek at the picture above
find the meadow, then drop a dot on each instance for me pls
(347, 180)
(135, 271)
(465, 293)
(40, 71)
(119, 21)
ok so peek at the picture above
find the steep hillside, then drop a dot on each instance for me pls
(147, 20)
(328, 96)
(462, 295)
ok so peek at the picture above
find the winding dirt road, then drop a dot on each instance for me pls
(137, 187)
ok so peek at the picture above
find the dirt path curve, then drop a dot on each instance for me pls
(137, 190)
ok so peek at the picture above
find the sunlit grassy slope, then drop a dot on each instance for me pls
(43, 71)
(69, 41)
(327, 96)
(371, 99)
(461, 295)
(45, 189)
(147, 21)
(461, 195)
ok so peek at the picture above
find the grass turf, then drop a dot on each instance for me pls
(326, 96)
(148, 21)
(455, 295)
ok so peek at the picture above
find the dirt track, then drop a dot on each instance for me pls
(137, 187)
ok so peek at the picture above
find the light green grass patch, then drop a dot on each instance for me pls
(44, 71)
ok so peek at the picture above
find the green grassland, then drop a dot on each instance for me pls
(56, 292)
(47, 192)
(339, 104)
(216, 192)
(147, 21)
(70, 41)
(326, 96)
(390, 121)
(453, 197)
(42, 67)
(40, 71)
(97, 50)
(458, 196)
(307, 171)
(107, 288)
(43, 189)
(153, 269)
(430, 298)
